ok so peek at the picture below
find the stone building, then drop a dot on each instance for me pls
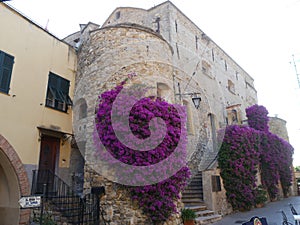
(169, 54)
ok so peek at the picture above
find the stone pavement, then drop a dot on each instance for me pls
(272, 211)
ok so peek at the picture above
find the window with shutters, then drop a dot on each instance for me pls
(58, 93)
(6, 66)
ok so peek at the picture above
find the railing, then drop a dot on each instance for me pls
(76, 209)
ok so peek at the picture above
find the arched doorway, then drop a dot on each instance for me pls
(13, 185)
(9, 192)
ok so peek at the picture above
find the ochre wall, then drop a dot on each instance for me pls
(36, 53)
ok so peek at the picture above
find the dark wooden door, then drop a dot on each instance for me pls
(47, 164)
(49, 150)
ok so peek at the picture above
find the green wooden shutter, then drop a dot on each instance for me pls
(6, 65)
(64, 89)
(58, 87)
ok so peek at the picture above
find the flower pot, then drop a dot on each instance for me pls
(259, 205)
(189, 222)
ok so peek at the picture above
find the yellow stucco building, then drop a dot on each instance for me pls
(37, 73)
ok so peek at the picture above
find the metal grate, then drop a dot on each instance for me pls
(76, 209)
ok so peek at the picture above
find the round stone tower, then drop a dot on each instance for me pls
(107, 57)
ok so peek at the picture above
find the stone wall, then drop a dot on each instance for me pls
(117, 205)
(216, 200)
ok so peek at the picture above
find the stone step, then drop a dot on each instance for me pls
(185, 197)
(193, 190)
(196, 208)
(195, 183)
(204, 220)
(193, 187)
(197, 178)
(190, 192)
(205, 212)
(192, 201)
(197, 194)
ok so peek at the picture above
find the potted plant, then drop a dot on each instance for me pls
(261, 196)
(188, 216)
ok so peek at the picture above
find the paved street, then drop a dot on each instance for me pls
(272, 211)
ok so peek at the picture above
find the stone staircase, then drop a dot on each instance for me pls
(192, 197)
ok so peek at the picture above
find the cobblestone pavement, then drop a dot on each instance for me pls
(272, 211)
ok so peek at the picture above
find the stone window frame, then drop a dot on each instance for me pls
(231, 86)
(189, 117)
(163, 91)
(206, 69)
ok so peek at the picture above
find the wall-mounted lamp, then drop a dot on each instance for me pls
(195, 97)
(196, 100)
(65, 138)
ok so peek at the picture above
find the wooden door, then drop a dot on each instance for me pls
(49, 150)
(47, 164)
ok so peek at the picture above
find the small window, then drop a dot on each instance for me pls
(237, 75)
(163, 91)
(234, 114)
(6, 66)
(157, 21)
(118, 15)
(58, 93)
(206, 69)
(216, 183)
(83, 110)
(231, 87)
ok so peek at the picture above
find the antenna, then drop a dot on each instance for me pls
(297, 74)
(46, 27)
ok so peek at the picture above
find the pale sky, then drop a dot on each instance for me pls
(260, 35)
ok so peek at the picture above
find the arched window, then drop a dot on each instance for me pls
(81, 108)
(163, 91)
(234, 114)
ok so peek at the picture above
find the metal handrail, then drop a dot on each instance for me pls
(76, 209)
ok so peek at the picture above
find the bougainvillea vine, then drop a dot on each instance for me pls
(158, 200)
(246, 150)
(239, 160)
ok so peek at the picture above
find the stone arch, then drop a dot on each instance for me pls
(80, 109)
(15, 182)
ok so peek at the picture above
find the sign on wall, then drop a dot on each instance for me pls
(30, 201)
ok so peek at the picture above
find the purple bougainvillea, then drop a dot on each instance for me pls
(258, 117)
(276, 162)
(245, 150)
(276, 153)
(157, 200)
(239, 160)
